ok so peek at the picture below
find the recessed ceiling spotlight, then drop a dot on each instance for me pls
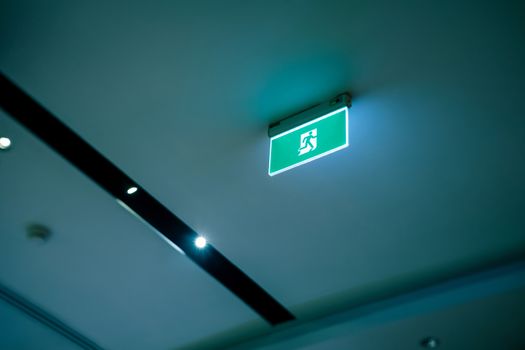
(132, 190)
(5, 143)
(430, 342)
(200, 242)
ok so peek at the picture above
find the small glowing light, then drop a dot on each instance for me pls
(430, 342)
(132, 190)
(5, 143)
(200, 242)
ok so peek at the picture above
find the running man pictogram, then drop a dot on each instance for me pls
(308, 142)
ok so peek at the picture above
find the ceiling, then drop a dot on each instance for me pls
(179, 95)
(463, 327)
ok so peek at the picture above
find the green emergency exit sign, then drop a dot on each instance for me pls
(322, 135)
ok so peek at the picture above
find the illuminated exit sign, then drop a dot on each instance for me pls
(308, 136)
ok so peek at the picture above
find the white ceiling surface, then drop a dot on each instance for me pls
(19, 332)
(103, 272)
(487, 324)
(481, 311)
(180, 94)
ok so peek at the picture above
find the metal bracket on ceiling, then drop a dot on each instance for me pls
(340, 101)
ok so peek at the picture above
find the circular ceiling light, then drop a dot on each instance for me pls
(200, 242)
(5, 143)
(430, 342)
(132, 190)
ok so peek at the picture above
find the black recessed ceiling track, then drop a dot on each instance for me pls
(72, 147)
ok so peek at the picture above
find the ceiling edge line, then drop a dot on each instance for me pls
(474, 285)
(46, 319)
